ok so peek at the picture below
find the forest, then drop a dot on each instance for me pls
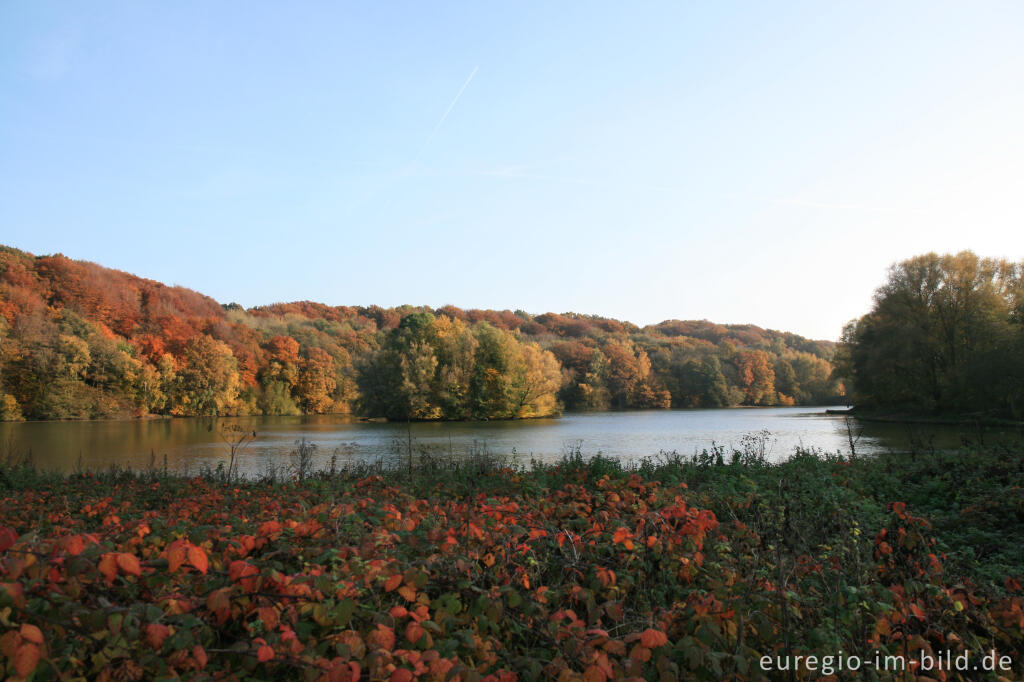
(945, 336)
(80, 341)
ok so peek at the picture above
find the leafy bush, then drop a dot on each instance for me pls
(676, 568)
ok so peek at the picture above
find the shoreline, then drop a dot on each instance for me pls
(932, 420)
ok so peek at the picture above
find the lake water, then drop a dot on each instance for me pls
(191, 444)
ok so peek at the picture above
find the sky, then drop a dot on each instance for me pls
(750, 162)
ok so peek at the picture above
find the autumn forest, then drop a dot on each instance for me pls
(80, 341)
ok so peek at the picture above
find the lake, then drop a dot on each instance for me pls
(194, 443)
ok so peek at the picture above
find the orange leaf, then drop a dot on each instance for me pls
(31, 633)
(640, 653)
(108, 567)
(269, 528)
(401, 675)
(74, 545)
(393, 582)
(408, 593)
(624, 537)
(129, 564)
(197, 557)
(175, 554)
(268, 615)
(615, 647)
(156, 634)
(652, 639)
(26, 659)
(594, 674)
(199, 653)
(383, 637)
(414, 631)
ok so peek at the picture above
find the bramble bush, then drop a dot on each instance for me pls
(587, 570)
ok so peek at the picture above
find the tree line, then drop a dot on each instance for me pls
(945, 335)
(79, 341)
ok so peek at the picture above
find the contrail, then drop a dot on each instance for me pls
(406, 170)
(843, 207)
(445, 115)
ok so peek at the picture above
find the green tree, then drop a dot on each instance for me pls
(206, 382)
(943, 333)
(398, 381)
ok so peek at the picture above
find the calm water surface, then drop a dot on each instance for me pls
(191, 444)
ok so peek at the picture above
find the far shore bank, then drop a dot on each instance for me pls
(969, 419)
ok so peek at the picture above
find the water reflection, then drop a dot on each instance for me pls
(190, 444)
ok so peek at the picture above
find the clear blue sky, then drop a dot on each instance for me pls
(740, 162)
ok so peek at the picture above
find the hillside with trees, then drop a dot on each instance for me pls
(945, 336)
(80, 341)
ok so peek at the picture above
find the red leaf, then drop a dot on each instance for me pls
(393, 582)
(16, 592)
(264, 654)
(9, 643)
(219, 599)
(7, 538)
(244, 574)
(199, 653)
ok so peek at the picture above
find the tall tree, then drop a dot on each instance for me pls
(943, 331)
(207, 379)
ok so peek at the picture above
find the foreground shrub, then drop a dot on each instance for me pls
(584, 571)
